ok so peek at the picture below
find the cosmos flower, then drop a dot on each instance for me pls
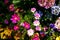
(6, 21)
(15, 18)
(46, 3)
(36, 37)
(30, 32)
(57, 24)
(55, 10)
(26, 25)
(16, 27)
(11, 7)
(33, 10)
(36, 23)
(37, 15)
(38, 28)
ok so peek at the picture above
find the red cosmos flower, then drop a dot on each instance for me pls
(36, 37)
(11, 7)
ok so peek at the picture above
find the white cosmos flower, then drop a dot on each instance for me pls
(30, 32)
(36, 23)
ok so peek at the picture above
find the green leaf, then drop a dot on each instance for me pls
(16, 1)
(49, 38)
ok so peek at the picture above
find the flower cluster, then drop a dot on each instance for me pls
(18, 23)
(46, 3)
(36, 21)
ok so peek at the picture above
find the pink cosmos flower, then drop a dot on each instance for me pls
(46, 3)
(37, 15)
(11, 7)
(33, 10)
(16, 27)
(15, 18)
(26, 25)
(38, 28)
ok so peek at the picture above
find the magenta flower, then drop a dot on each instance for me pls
(36, 37)
(26, 25)
(11, 7)
(46, 3)
(37, 15)
(15, 18)
(6, 21)
(16, 27)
